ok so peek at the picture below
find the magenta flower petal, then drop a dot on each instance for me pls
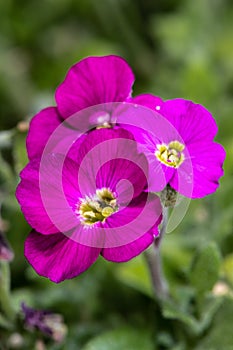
(107, 156)
(29, 197)
(159, 174)
(147, 100)
(92, 81)
(131, 223)
(40, 193)
(128, 251)
(79, 150)
(149, 221)
(52, 189)
(192, 121)
(58, 257)
(207, 160)
(178, 144)
(131, 172)
(41, 128)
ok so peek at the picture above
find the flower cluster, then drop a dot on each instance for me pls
(98, 159)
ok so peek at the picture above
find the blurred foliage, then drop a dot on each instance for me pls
(177, 49)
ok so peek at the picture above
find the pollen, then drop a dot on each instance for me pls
(171, 155)
(97, 208)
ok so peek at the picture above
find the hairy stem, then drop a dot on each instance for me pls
(154, 262)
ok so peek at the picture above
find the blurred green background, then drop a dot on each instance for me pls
(176, 48)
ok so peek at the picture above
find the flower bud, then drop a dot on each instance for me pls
(168, 196)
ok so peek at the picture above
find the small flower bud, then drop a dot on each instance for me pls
(168, 196)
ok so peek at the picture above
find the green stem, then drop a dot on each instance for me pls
(154, 262)
(5, 300)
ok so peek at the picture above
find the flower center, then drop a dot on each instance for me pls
(98, 207)
(171, 154)
(105, 125)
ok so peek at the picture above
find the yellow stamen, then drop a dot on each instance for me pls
(171, 154)
(105, 125)
(98, 207)
(107, 211)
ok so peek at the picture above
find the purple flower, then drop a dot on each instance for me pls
(179, 147)
(93, 205)
(92, 81)
(48, 323)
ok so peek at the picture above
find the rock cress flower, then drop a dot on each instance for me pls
(92, 81)
(178, 142)
(97, 205)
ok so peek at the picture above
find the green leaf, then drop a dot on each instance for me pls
(220, 336)
(205, 268)
(211, 306)
(4, 323)
(123, 339)
(170, 310)
(196, 326)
